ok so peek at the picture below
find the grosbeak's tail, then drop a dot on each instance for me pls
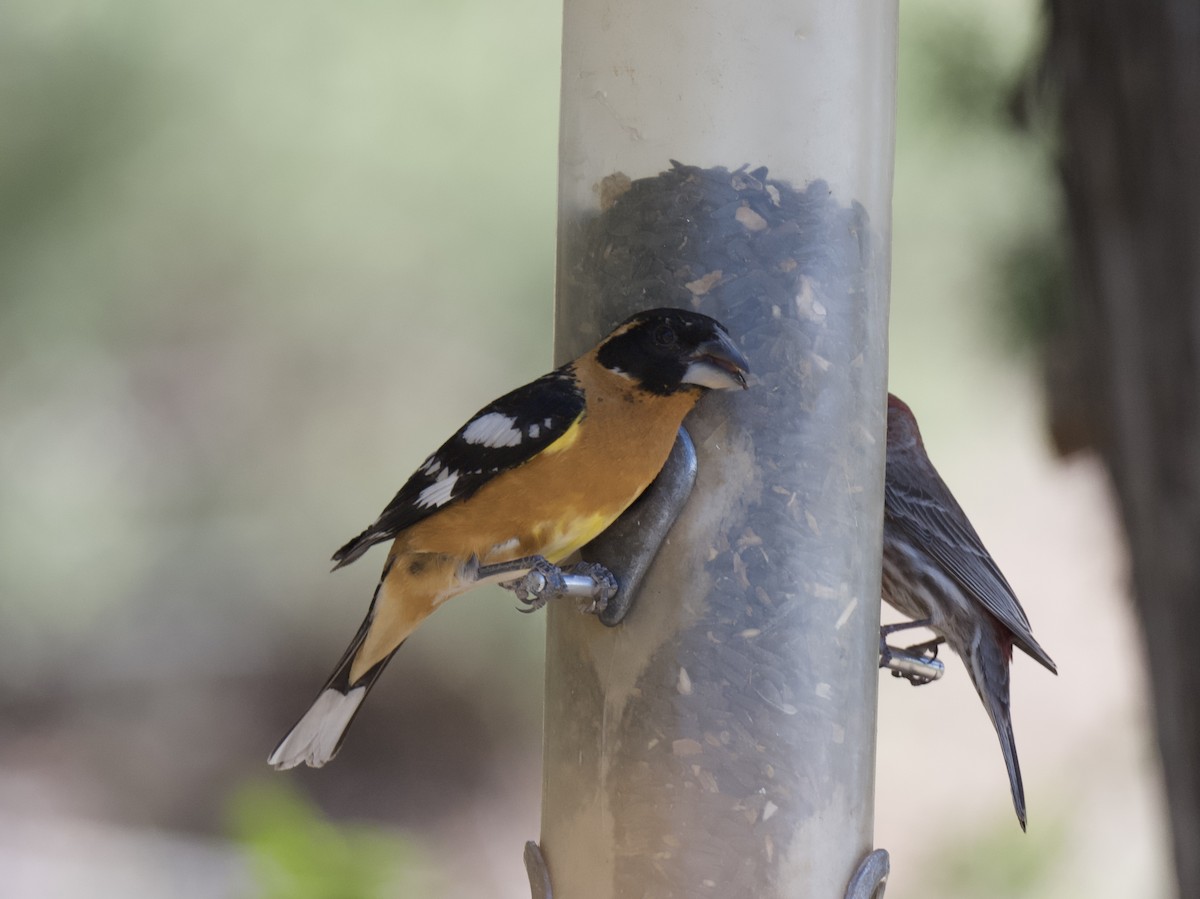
(353, 549)
(318, 735)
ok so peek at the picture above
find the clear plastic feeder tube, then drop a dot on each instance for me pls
(735, 159)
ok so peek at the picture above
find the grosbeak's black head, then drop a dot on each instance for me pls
(667, 350)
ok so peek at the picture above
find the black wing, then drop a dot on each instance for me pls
(501, 436)
(921, 513)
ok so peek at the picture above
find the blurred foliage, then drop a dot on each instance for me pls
(979, 267)
(977, 92)
(1031, 279)
(1000, 861)
(954, 63)
(296, 853)
(255, 259)
(227, 233)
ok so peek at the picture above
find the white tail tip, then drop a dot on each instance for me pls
(314, 739)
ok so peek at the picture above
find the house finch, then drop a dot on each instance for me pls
(937, 571)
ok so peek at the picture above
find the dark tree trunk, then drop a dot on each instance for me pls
(1127, 74)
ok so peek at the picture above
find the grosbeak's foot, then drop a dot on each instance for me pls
(604, 586)
(542, 583)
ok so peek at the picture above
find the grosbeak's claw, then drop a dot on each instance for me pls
(540, 584)
(604, 586)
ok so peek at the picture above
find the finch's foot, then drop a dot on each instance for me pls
(888, 629)
(918, 672)
(926, 650)
(885, 651)
(922, 665)
(917, 664)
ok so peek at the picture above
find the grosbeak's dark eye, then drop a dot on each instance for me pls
(664, 336)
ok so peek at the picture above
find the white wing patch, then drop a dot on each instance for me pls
(492, 430)
(440, 491)
(534, 431)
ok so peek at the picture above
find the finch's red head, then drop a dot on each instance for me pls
(902, 430)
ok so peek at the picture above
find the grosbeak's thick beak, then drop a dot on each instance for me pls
(718, 365)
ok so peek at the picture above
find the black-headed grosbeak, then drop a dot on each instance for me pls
(537, 473)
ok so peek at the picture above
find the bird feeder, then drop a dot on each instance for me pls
(735, 160)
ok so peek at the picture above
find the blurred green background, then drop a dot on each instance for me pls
(256, 259)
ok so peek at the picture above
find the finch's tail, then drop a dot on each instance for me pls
(318, 735)
(1008, 746)
(989, 669)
